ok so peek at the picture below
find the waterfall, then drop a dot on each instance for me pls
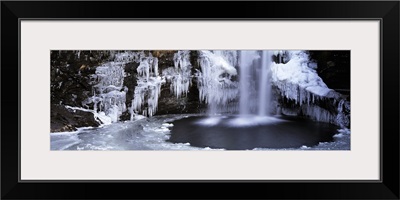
(265, 85)
(253, 74)
(244, 83)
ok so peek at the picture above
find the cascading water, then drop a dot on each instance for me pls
(250, 98)
(220, 89)
(265, 85)
(244, 83)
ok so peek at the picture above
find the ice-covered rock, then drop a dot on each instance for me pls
(147, 91)
(180, 75)
(298, 81)
(109, 93)
(214, 79)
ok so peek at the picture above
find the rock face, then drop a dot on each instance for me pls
(70, 75)
(130, 83)
(331, 110)
(72, 83)
(168, 102)
(334, 69)
(63, 119)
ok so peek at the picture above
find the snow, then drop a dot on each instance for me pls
(100, 117)
(341, 141)
(225, 60)
(144, 134)
(296, 80)
(65, 140)
(168, 125)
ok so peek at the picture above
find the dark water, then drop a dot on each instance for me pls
(288, 133)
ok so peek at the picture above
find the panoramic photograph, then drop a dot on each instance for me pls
(247, 100)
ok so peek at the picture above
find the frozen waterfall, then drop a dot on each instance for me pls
(109, 92)
(180, 75)
(215, 83)
(148, 87)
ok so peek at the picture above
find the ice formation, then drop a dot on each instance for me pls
(180, 75)
(317, 113)
(100, 117)
(339, 118)
(297, 80)
(145, 134)
(215, 83)
(127, 56)
(148, 87)
(109, 92)
(342, 118)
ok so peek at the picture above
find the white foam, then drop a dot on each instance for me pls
(252, 120)
(211, 121)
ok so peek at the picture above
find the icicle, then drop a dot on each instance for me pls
(148, 87)
(180, 75)
(342, 118)
(107, 96)
(214, 82)
(296, 80)
(318, 114)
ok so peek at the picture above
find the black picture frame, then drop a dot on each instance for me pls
(386, 11)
